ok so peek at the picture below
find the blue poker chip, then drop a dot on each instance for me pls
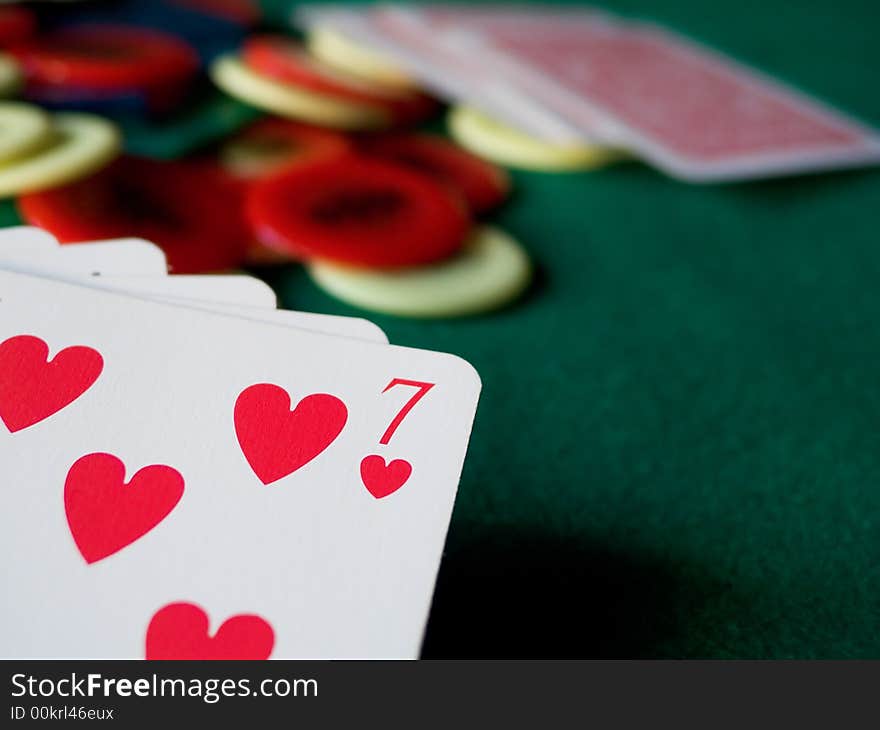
(210, 34)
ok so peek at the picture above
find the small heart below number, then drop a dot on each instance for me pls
(180, 631)
(382, 479)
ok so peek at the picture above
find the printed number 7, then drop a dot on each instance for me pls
(423, 388)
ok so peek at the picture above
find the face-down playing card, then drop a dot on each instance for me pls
(182, 484)
(690, 111)
(403, 36)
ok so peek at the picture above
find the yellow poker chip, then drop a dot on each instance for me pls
(335, 49)
(292, 102)
(490, 271)
(24, 129)
(10, 76)
(504, 145)
(82, 144)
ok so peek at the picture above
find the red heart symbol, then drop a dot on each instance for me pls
(105, 514)
(180, 631)
(32, 387)
(381, 479)
(277, 441)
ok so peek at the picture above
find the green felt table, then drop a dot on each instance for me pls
(677, 449)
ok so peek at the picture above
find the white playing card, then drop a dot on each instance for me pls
(231, 289)
(239, 297)
(229, 294)
(124, 256)
(315, 532)
(328, 324)
(25, 238)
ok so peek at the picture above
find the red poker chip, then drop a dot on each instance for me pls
(16, 24)
(358, 211)
(482, 184)
(192, 211)
(271, 145)
(285, 60)
(117, 57)
(413, 108)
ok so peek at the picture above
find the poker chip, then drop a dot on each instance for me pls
(283, 59)
(258, 255)
(482, 184)
(490, 271)
(504, 145)
(82, 144)
(286, 100)
(270, 145)
(106, 57)
(16, 24)
(359, 212)
(10, 75)
(337, 51)
(24, 129)
(190, 210)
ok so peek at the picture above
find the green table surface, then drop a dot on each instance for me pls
(677, 449)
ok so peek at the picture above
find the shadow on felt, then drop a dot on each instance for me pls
(507, 595)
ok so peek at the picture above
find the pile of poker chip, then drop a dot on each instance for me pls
(336, 175)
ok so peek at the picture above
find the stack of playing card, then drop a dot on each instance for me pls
(190, 473)
(570, 76)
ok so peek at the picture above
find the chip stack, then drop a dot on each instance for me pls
(336, 175)
(383, 218)
(39, 150)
